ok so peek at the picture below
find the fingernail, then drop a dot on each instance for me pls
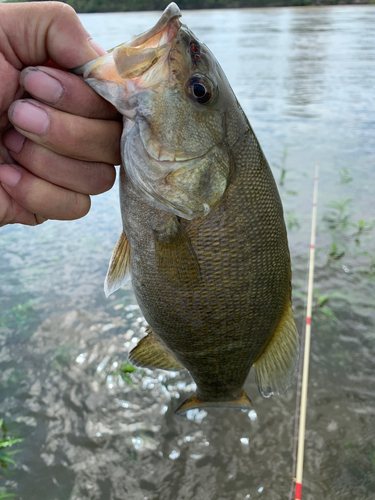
(14, 141)
(98, 49)
(9, 175)
(29, 117)
(41, 85)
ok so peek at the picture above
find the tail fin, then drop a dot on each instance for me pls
(242, 403)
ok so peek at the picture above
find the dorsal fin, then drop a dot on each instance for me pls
(150, 353)
(118, 273)
(276, 366)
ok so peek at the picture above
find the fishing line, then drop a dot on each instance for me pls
(305, 347)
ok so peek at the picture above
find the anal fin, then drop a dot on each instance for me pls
(149, 353)
(241, 403)
(118, 273)
(175, 255)
(276, 367)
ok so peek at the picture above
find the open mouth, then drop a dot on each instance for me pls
(163, 32)
(132, 60)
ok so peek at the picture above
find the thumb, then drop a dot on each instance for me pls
(38, 32)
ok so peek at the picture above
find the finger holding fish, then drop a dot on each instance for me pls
(64, 91)
(34, 161)
(49, 180)
(33, 200)
(85, 177)
(66, 134)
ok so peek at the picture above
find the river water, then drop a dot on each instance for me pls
(305, 77)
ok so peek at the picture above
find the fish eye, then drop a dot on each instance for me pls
(200, 89)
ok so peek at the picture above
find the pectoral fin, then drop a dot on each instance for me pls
(149, 353)
(241, 403)
(118, 273)
(276, 367)
(174, 253)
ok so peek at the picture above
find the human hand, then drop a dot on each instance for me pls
(65, 147)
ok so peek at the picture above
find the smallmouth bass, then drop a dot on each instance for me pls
(204, 238)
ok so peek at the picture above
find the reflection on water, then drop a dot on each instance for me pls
(97, 430)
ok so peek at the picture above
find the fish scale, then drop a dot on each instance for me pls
(209, 311)
(204, 238)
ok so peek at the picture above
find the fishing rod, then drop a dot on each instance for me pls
(307, 338)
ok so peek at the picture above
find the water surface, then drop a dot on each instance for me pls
(305, 78)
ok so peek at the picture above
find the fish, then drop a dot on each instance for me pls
(204, 240)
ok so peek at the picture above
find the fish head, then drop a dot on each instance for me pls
(175, 99)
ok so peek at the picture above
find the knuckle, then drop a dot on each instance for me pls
(104, 179)
(39, 219)
(63, 9)
(109, 177)
(79, 206)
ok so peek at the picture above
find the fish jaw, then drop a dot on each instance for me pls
(176, 186)
(134, 66)
(163, 29)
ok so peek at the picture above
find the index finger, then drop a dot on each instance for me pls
(65, 92)
(37, 32)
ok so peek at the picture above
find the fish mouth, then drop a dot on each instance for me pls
(134, 59)
(135, 67)
(163, 32)
(126, 74)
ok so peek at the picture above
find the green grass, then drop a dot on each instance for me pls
(19, 317)
(281, 166)
(338, 217)
(345, 177)
(125, 371)
(5, 443)
(291, 220)
(7, 495)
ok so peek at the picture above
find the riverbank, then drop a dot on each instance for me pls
(91, 6)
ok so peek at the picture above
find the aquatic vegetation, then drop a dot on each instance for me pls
(4, 495)
(338, 217)
(357, 462)
(6, 442)
(345, 177)
(371, 269)
(281, 166)
(362, 228)
(63, 356)
(336, 250)
(321, 306)
(125, 371)
(339, 226)
(11, 378)
(127, 368)
(19, 317)
(291, 220)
